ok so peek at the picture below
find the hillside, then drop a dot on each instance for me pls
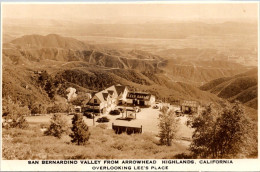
(72, 63)
(198, 72)
(241, 87)
(188, 66)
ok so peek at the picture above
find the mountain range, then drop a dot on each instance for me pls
(86, 67)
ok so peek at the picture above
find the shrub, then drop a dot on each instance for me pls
(13, 114)
(80, 132)
(38, 108)
(57, 127)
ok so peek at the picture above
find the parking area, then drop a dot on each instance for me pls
(147, 118)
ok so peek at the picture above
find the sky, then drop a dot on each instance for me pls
(144, 11)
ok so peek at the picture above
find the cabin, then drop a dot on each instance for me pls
(189, 106)
(140, 99)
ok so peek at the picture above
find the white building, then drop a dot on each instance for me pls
(106, 100)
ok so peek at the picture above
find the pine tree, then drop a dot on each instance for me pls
(80, 131)
(168, 126)
(57, 127)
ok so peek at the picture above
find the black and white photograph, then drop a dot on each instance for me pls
(86, 81)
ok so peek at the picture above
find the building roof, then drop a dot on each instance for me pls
(105, 95)
(114, 91)
(110, 89)
(100, 96)
(120, 89)
(110, 92)
(138, 96)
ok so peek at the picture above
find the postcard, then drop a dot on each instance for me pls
(130, 86)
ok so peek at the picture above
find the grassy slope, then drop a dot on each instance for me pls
(103, 144)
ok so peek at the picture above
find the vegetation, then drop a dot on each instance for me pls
(81, 99)
(222, 133)
(102, 144)
(241, 87)
(80, 132)
(168, 126)
(48, 83)
(58, 126)
(38, 108)
(14, 114)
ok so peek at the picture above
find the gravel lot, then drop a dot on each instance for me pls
(148, 118)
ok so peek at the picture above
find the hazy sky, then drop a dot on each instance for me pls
(186, 11)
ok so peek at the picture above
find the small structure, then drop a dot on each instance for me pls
(77, 109)
(140, 99)
(126, 129)
(189, 106)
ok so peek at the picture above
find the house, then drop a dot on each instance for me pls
(189, 106)
(106, 100)
(140, 99)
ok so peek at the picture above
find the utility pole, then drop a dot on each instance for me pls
(93, 114)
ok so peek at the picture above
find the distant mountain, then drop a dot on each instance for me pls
(192, 66)
(169, 30)
(242, 87)
(51, 40)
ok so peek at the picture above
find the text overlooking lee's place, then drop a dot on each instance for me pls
(106, 165)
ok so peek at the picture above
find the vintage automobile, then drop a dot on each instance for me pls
(103, 119)
(114, 112)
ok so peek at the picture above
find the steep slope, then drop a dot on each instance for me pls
(199, 72)
(73, 63)
(20, 85)
(95, 78)
(54, 47)
(242, 87)
(37, 48)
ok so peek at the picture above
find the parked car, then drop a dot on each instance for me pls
(88, 115)
(114, 112)
(179, 113)
(155, 107)
(103, 119)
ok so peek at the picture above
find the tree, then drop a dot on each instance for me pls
(221, 134)
(58, 126)
(49, 84)
(168, 125)
(14, 114)
(81, 99)
(203, 138)
(233, 131)
(38, 108)
(80, 131)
